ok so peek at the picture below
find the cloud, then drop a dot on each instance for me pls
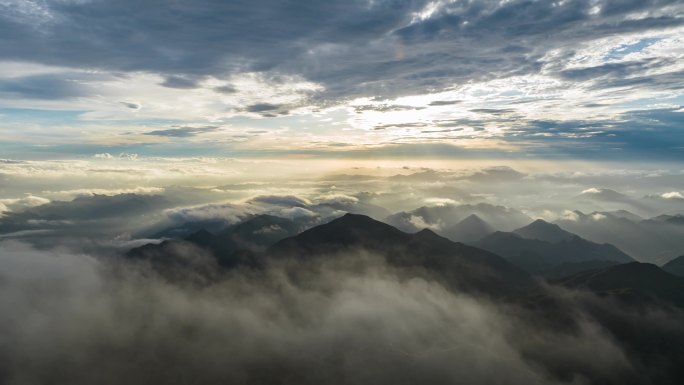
(74, 313)
(226, 89)
(18, 204)
(542, 79)
(419, 222)
(277, 200)
(182, 132)
(592, 190)
(267, 109)
(432, 201)
(227, 212)
(296, 212)
(386, 46)
(44, 87)
(570, 216)
(672, 195)
(179, 82)
(336, 199)
(132, 106)
(125, 155)
(444, 102)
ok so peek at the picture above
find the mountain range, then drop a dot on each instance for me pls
(231, 246)
(542, 247)
(445, 219)
(655, 240)
(500, 264)
(457, 265)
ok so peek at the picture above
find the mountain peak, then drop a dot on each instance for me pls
(544, 231)
(675, 266)
(459, 264)
(630, 280)
(355, 219)
(470, 229)
(427, 234)
(349, 229)
(473, 218)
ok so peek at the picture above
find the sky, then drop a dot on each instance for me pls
(160, 112)
(559, 80)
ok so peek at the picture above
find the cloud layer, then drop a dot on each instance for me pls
(78, 319)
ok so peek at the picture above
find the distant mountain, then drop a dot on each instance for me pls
(458, 265)
(606, 197)
(677, 219)
(541, 256)
(544, 231)
(85, 213)
(655, 240)
(675, 266)
(623, 214)
(181, 231)
(229, 246)
(470, 229)
(442, 218)
(331, 207)
(633, 282)
(260, 232)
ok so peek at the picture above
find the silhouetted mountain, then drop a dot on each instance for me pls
(231, 245)
(260, 232)
(634, 282)
(544, 231)
(655, 240)
(567, 269)
(201, 237)
(677, 219)
(675, 266)
(458, 265)
(605, 197)
(540, 257)
(442, 218)
(470, 229)
(623, 214)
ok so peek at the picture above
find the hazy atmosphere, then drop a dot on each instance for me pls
(341, 192)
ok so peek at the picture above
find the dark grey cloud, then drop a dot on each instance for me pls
(385, 108)
(493, 111)
(46, 87)
(444, 102)
(133, 106)
(267, 109)
(179, 82)
(183, 132)
(351, 47)
(621, 70)
(655, 132)
(226, 89)
(262, 107)
(287, 200)
(399, 125)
